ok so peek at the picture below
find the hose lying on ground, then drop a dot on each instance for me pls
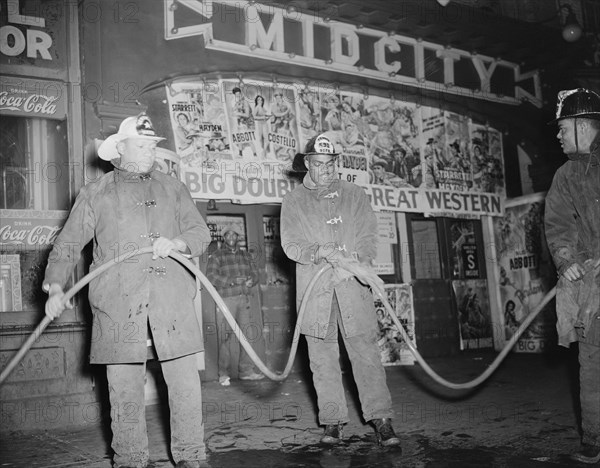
(244, 341)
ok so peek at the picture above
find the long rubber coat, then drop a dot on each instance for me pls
(339, 217)
(121, 212)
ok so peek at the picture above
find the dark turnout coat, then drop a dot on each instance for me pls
(123, 212)
(338, 217)
(572, 222)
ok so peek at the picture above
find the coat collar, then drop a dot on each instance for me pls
(124, 174)
(320, 192)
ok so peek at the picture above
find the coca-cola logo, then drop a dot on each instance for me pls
(37, 235)
(34, 103)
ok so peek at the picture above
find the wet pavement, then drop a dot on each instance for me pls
(523, 416)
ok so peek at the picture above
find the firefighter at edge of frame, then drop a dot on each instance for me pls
(573, 232)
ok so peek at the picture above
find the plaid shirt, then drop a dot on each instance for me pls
(225, 267)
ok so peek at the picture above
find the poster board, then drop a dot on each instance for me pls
(526, 273)
(387, 236)
(392, 347)
(237, 139)
(474, 318)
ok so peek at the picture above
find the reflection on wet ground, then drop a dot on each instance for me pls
(523, 417)
(363, 452)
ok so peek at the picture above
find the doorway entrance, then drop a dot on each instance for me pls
(447, 271)
(272, 303)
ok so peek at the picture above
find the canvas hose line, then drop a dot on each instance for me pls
(248, 347)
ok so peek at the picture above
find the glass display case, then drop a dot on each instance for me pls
(35, 196)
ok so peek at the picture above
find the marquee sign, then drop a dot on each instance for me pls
(289, 36)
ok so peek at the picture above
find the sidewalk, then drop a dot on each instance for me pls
(523, 416)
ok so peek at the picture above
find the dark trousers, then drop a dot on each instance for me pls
(128, 415)
(368, 372)
(589, 392)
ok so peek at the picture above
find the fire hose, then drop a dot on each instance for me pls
(246, 344)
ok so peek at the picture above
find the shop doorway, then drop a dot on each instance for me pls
(449, 284)
(273, 307)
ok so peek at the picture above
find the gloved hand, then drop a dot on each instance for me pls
(162, 246)
(54, 306)
(329, 253)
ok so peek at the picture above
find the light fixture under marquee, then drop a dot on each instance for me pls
(571, 30)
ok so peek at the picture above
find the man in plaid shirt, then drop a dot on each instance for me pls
(233, 273)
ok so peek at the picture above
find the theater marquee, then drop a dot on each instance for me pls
(293, 37)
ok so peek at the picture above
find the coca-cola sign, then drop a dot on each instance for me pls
(32, 98)
(29, 229)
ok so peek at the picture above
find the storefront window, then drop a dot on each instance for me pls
(426, 249)
(34, 158)
(34, 201)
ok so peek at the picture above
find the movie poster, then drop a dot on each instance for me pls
(454, 163)
(487, 159)
(392, 347)
(262, 119)
(433, 140)
(526, 272)
(474, 319)
(351, 140)
(308, 110)
(283, 143)
(198, 121)
(392, 130)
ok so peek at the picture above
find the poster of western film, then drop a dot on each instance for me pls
(262, 119)
(308, 110)
(474, 319)
(197, 115)
(526, 272)
(392, 130)
(454, 163)
(392, 347)
(351, 139)
(433, 139)
(487, 159)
